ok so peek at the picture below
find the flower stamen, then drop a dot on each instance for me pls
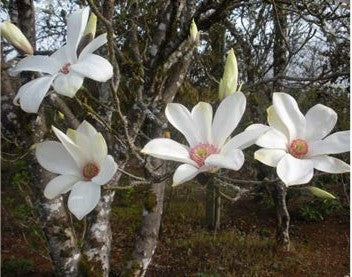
(90, 170)
(298, 148)
(200, 152)
(65, 69)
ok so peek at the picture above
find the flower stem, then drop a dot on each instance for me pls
(213, 206)
(283, 217)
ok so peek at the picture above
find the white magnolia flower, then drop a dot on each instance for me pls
(209, 147)
(297, 144)
(82, 161)
(64, 70)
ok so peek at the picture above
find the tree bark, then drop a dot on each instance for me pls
(97, 242)
(147, 237)
(283, 217)
(148, 234)
(280, 47)
(54, 218)
(280, 62)
(98, 236)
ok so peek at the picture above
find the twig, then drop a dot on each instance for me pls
(62, 107)
(131, 175)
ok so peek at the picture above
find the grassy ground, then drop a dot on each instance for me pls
(243, 247)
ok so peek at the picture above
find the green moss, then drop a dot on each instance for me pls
(18, 266)
(89, 268)
(149, 201)
(190, 95)
(22, 212)
(21, 176)
(129, 271)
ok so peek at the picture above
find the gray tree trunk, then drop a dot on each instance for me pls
(97, 242)
(283, 217)
(147, 237)
(54, 218)
(280, 62)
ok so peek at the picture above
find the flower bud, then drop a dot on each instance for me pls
(228, 83)
(320, 193)
(194, 34)
(15, 37)
(91, 25)
(89, 33)
(60, 115)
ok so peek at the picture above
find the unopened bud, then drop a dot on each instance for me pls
(228, 83)
(61, 115)
(91, 25)
(89, 32)
(320, 193)
(15, 37)
(194, 34)
(166, 134)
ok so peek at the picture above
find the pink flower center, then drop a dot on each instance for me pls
(65, 69)
(90, 170)
(200, 152)
(298, 148)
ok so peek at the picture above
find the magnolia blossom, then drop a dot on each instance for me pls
(82, 161)
(296, 144)
(64, 70)
(209, 147)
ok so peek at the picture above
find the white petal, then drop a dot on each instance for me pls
(94, 67)
(98, 147)
(60, 56)
(330, 164)
(31, 94)
(168, 149)
(93, 45)
(83, 198)
(273, 139)
(305, 179)
(294, 171)
(76, 23)
(336, 143)
(275, 121)
(76, 153)
(233, 159)
(270, 157)
(94, 147)
(202, 115)
(38, 63)
(54, 157)
(246, 138)
(68, 84)
(107, 170)
(86, 128)
(60, 184)
(184, 173)
(227, 117)
(320, 121)
(287, 109)
(181, 119)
